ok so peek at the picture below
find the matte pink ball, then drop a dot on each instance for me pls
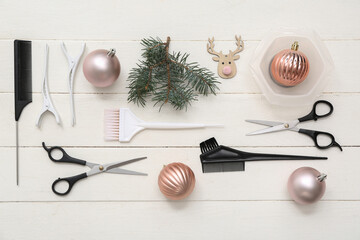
(101, 67)
(306, 185)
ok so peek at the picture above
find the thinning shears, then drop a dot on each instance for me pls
(291, 125)
(95, 168)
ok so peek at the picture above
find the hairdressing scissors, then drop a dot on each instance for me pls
(291, 125)
(95, 168)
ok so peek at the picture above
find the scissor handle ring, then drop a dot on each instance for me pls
(52, 149)
(315, 134)
(61, 180)
(70, 181)
(313, 115)
(65, 157)
(331, 107)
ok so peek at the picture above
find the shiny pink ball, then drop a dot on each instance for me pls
(101, 67)
(176, 181)
(306, 185)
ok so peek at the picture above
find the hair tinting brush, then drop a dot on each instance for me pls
(215, 158)
(122, 125)
(22, 85)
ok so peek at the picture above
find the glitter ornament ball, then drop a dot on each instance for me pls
(289, 67)
(176, 181)
(101, 67)
(306, 185)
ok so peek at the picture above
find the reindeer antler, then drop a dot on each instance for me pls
(239, 44)
(210, 47)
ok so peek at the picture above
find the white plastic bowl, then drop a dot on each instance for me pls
(320, 61)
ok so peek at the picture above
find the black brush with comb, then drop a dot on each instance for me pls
(219, 158)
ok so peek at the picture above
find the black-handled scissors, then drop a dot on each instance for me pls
(95, 168)
(291, 125)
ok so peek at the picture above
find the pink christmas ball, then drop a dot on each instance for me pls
(101, 67)
(306, 185)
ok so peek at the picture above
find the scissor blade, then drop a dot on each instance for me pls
(266, 123)
(109, 166)
(124, 171)
(268, 130)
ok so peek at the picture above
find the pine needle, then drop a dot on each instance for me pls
(168, 78)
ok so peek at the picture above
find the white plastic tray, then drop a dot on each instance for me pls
(321, 66)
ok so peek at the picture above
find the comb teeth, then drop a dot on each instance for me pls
(208, 145)
(111, 124)
(223, 167)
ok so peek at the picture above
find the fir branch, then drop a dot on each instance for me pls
(168, 78)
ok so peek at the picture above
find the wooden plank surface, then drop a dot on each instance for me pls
(179, 220)
(90, 115)
(249, 205)
(189, 20)
(344, 78)
(259, 181)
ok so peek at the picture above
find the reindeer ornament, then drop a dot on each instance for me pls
(226, 65)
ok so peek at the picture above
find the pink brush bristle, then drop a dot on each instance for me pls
(112, 122)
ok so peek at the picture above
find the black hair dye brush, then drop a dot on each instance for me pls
(215, 158)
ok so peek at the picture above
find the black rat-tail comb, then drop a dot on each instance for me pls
(218, 158)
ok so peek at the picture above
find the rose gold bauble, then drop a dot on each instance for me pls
(176, 181)
(306, 185)
(101, 67)
(290, 67)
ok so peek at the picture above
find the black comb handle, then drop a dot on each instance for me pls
(246, 156)
(227, 154)
(215, 158)
(22, 75)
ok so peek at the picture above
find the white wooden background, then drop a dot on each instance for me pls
(242, 205)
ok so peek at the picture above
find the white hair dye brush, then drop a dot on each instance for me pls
(122, 125)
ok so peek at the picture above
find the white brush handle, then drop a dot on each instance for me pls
(160, 125)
